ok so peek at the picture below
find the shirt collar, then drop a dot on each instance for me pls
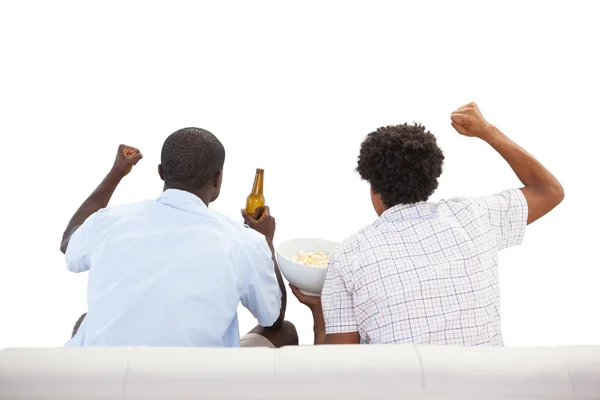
(409, 211)
(183, 201)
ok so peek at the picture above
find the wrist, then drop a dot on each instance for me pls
(490, 133)
(114, 175)
(271, 246)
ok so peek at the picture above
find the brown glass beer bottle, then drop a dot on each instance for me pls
(255, 202)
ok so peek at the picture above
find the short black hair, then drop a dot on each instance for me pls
(190, 158)
(402, 163)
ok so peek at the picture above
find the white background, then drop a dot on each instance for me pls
(293, 87)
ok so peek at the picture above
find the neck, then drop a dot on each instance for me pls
(205, 194)
(257, 187)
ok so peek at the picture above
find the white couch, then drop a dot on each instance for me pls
(308, 372)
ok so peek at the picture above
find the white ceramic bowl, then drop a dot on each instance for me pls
(306, 278)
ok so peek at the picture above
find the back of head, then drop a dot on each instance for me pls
(191, 158)
(402, 163)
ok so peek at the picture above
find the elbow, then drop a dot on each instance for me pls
(278, 322)
(63, 246)
(281, 318)
(558, 193)
(562, 193)
(550, 194)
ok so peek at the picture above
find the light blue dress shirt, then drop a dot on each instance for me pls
(170, 272)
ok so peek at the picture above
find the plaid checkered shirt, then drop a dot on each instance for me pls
(425, 273)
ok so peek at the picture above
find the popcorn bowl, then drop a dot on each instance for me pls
(308, 279)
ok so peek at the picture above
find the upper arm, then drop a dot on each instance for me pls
(261, 295)
(343, 338)
(507, 213)
(336, 300)
(80, 244)
(540, 201)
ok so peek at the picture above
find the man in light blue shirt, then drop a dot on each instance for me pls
(170, 271)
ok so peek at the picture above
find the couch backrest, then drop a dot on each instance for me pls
(305, 372)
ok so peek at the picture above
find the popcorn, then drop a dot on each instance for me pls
(313, 259)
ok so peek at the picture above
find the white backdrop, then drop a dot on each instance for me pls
(294, 88)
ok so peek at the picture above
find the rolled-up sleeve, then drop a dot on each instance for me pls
(80, 245)
(337, 302)
(507, 214)
(262, 295)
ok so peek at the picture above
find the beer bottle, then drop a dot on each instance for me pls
(255, 202)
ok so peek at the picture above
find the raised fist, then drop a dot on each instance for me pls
(127, 157)
(469, 121)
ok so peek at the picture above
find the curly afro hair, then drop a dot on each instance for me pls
(402, 163)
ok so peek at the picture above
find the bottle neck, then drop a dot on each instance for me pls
(257, 188)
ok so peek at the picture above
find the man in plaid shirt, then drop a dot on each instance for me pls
(427, 273)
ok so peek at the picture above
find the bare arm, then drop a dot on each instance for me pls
(127, 157)
(319, 325)
(542, 190)
(281, 318)
(314, 304)
(266, 226)
(97, 200)
(343, 338)
(78, 324)
(336, 313)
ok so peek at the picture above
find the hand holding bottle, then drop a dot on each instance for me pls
(265, 224)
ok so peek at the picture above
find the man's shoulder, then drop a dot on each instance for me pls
(457, 206)
(463, 208)
(251, 237)
(120, 211)
(238, 230)
(353, 245)
(244, 238)
(482, 200)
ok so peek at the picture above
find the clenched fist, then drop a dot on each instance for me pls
(469, 121)
(127, 157)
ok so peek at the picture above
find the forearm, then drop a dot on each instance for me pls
(529, 170)
(281, 283)
(318, 325)
(97, 200)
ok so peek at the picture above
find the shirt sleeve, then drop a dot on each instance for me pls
(80, 244)
(507, 214)
(336, 300)
(262, 295)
